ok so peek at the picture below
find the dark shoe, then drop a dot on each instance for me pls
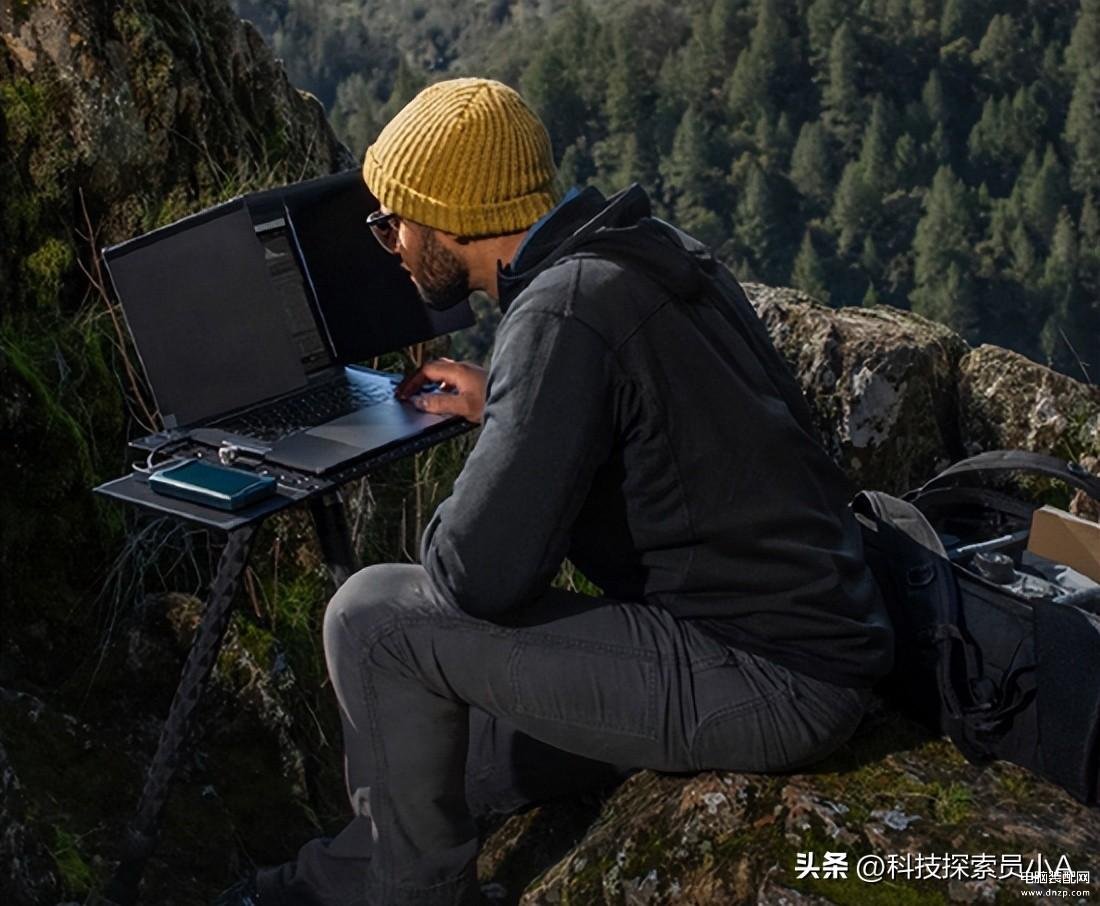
(243, 893)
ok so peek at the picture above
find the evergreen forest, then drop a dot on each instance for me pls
(936, 155)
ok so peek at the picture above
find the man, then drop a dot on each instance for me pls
(633, 418)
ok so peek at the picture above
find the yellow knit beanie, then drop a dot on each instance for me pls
(466, 156)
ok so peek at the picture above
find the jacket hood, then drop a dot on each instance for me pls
(622, 228)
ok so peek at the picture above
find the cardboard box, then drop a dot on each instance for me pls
(1065, 538)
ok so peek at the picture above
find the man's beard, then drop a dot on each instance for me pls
(443, 279)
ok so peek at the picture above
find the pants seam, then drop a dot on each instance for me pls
(740, 708)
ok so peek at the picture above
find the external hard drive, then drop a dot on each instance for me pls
(212, 485)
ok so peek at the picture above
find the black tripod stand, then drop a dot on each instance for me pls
(331, 526)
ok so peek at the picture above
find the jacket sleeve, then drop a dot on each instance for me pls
(499, 539)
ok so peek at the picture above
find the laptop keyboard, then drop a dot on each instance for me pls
(317, 406)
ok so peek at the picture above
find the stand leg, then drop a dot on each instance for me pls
(142, 833)
(331, 524)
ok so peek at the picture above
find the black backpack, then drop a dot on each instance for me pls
(1003, 668)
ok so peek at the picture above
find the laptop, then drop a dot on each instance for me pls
(253, 321)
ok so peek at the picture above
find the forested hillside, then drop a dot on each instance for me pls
(938, 155)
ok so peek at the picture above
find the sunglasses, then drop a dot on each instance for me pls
(384, 227)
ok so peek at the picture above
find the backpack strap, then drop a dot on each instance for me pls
(954, 498)
(902, 515)
(920, 561)
(992, 461)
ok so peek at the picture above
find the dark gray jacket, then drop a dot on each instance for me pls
(649, 431)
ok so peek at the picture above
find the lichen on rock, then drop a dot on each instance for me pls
(880, 382)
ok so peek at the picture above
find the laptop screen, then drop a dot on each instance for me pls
(197, 296)
(290, 289)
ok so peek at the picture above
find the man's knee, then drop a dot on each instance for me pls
(371, 598)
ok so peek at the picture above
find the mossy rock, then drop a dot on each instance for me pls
(112, 122)
(881, 383)
(735, 838)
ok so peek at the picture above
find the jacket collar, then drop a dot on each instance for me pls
(576, 219)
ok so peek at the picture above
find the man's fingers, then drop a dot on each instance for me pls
(440, 403)
(438, 370)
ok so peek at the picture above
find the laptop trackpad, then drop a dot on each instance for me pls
(377, 425)
(311, 454)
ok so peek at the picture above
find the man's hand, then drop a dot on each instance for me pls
(462, 385)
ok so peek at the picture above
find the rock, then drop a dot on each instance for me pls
(881, 383)
(27, 872)
(1007, 401)
(114, 119)
(892, 791)
(243, 774)
(245, 741)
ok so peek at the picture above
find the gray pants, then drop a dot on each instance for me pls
(445, 715)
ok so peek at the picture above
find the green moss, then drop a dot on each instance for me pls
(26, 108)
(46, 267)
(295, 606)
(952, 802)
(1018, 785)
(851, 891)
(76, 874)
(29, 366)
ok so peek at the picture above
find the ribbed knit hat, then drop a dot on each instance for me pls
(466, 156)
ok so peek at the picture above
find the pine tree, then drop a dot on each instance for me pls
(1089, 226)
(840, 100)
(924, 16)
(1050, 70)
(1029, 112)
(808, 274)
(1024, 259)
(406, 85)
(810, 164)
(942, 247)
(906, 159)
(691, 179)
(1083, 50)
(935, 104)
(955, 20)
(854, 207)
(874, 155)
(1061, 288)
(823, 18)
(1083, 130)
(1061, 265)
(552, 88)
(958, 292)
(751, 85)
(674, 96)
(725, 29)
(1001, 225)
(997, 54)
(629, 108)
(784, 135)
(755, 223)
(869, 259)
(940, 145)
(1045, 196)
(988, 139)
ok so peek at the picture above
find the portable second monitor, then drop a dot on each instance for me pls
(253, 299)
